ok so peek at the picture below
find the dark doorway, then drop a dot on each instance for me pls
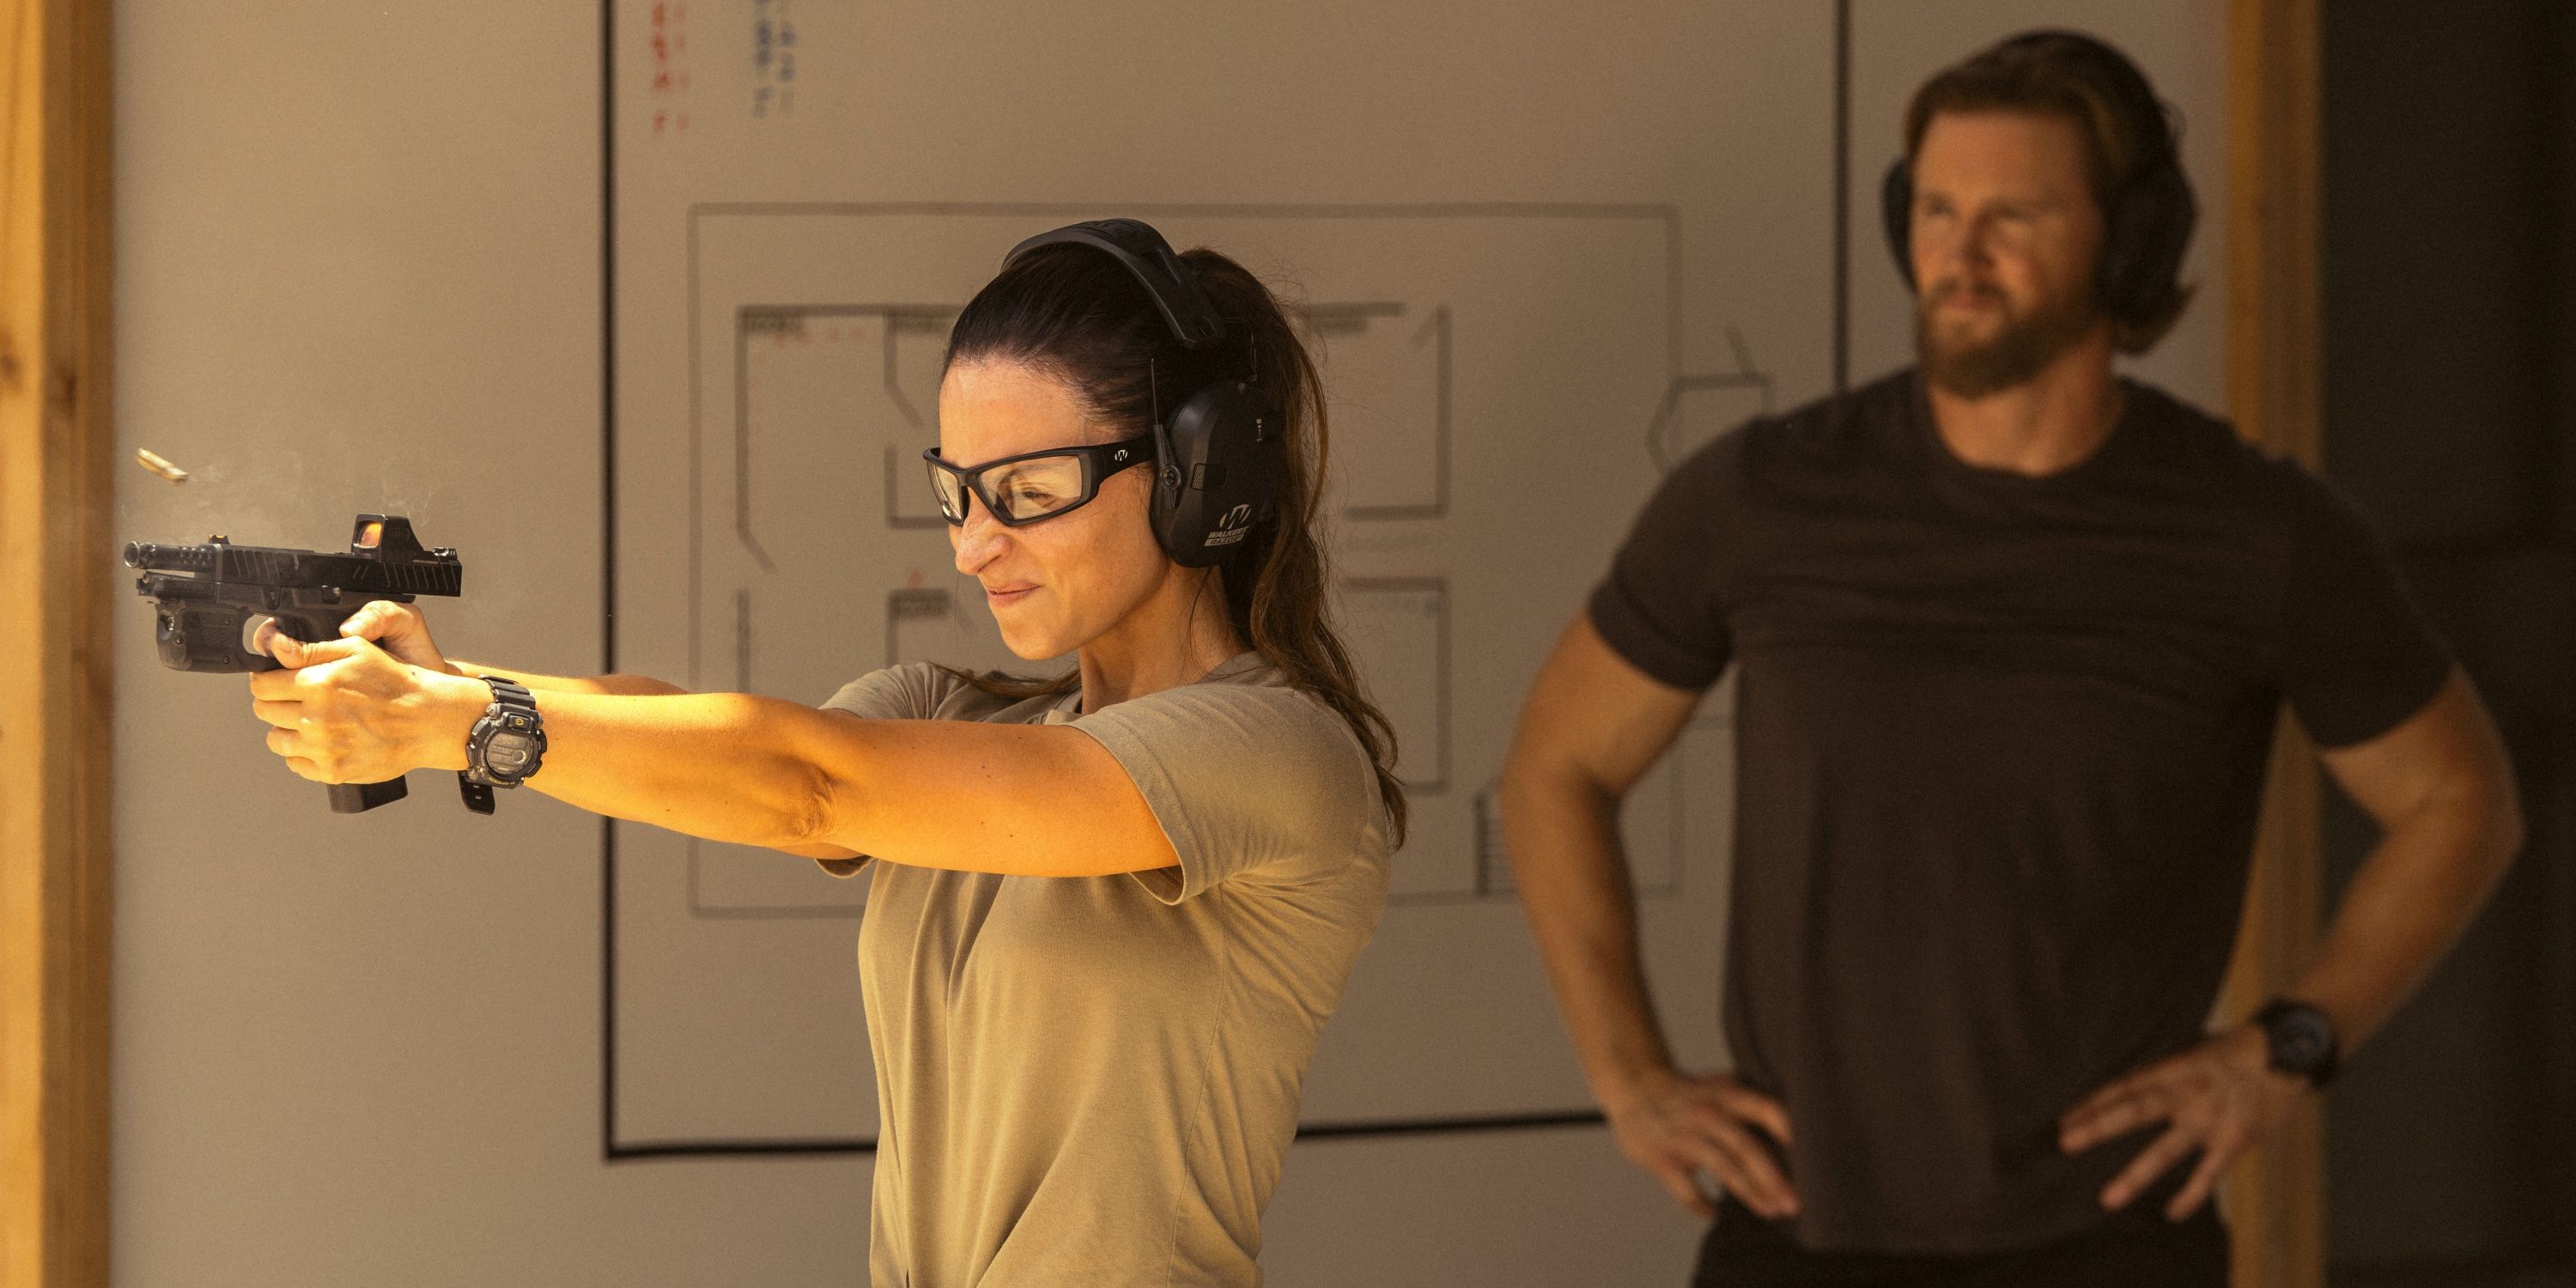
(2450, 364)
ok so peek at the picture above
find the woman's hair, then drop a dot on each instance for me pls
(1077, 315)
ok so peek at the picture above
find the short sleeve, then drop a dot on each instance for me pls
(1251, 783)
(2356, 656)
(908, 692)
(1662, 608)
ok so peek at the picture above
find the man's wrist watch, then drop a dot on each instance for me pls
(506, 745)
(2300, 1040)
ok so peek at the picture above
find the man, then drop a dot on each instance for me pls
(2012, 636)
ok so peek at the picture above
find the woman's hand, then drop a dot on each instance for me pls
(400, 629)
(1679, 1127)
(346, 711)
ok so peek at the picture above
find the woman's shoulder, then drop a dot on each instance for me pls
(1254, 780)
(906, 692)
(1250, 685)
(1249, 708)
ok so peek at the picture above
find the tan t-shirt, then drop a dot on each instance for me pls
(1094, 1080)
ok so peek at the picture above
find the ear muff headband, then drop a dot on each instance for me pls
(2148, 223)
(1142, 250)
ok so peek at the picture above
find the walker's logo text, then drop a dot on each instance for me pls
(1236, 525)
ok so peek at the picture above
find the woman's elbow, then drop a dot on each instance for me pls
(818, 812)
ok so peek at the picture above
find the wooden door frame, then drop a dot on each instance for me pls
(57, 504)
(2275, 1198)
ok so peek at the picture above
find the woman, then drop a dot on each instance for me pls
(1109, 912)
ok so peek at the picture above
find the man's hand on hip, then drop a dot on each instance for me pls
(2220, 1098)
(1678, 1126)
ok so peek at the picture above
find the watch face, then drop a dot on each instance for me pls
(508, 753)
(2301, 1040)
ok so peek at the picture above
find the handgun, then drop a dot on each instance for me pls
(213, 598)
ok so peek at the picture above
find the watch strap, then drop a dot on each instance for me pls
(513, 709)
(510, 692)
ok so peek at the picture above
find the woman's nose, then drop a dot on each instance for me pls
(978, 540)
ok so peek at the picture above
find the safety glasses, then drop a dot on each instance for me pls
(1033, 485)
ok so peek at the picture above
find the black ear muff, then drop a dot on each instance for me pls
(1223, 452)
(2142, 248)
(1223, 460)
(1896, 215)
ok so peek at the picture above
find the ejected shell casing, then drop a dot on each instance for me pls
(152, 461)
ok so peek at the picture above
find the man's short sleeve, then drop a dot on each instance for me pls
(1663, 605)
(2356, 656)
(1251, 783)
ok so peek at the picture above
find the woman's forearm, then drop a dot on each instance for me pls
(722, 766)
(1024, 800)
(627, 685)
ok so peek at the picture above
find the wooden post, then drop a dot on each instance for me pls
(2275, 1198)
(56, 569)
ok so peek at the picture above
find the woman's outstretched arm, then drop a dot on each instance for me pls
(1019, 799)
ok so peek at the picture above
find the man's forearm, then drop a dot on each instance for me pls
(1573, 884)
(2411, 900)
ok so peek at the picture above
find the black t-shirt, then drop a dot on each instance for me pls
(2001, 742)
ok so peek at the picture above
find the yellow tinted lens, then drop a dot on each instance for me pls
(1035, 488)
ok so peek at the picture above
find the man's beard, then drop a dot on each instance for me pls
(2016, 354)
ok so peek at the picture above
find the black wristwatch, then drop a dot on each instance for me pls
(506, 745)
(2300, 1040)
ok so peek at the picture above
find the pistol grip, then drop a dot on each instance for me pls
(357, 798)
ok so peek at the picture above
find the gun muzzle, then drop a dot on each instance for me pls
(155, 557)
